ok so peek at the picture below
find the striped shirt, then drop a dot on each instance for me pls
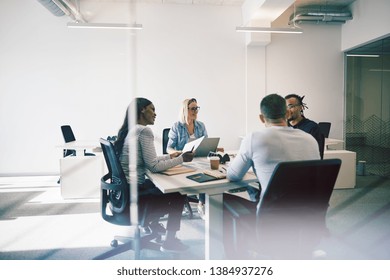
(147, 158)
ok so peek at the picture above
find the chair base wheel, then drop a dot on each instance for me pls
(114, 243)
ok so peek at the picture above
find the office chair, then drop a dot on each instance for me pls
(290, 220)
(165, 139)
(321, 144)
(68, 135)
(115, 208)
(324, 128)
(189, 198)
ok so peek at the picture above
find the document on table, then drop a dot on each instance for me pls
(191, 146)
(179, 169)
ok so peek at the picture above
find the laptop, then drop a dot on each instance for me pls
(207, 145)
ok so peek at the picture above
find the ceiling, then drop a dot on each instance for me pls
(275, 7)
(331, 11)
(378, 47)
(266, 10)
(303, 8)
(319, 12)
(298, 3)
(323, 3)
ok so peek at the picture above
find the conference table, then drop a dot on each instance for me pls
(214, 203)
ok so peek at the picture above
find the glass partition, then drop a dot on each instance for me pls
(367, 124)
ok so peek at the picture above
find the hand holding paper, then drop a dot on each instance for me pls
(191, 146)
(188, 156)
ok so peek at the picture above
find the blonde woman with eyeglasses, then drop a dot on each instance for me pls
(187, 128)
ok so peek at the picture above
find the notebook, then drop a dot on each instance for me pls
(201, 177)
(207, 145)
(179, 169)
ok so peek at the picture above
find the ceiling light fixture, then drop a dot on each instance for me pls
(363, 55)
(104, 25)
(269, 30)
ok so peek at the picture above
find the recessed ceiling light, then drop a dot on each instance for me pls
(269, 30)
(104, 25)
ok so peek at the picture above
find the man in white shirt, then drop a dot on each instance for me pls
(264, 149)
(278, 142)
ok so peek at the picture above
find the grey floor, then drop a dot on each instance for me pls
(36, 223)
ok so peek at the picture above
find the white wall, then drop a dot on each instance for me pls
(310, 64)
(370, 22)
(51, 75)
(193, 51)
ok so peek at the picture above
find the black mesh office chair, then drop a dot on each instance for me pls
(68, 135)
(189, 198)
(165, 139)
(291, 218)
(321, 144)
(324, 128)
(115, 208)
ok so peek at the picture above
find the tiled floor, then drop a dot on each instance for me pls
(36, 223)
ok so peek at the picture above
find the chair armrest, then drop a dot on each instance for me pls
(111, 186)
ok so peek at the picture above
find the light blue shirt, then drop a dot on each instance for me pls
(179, 135)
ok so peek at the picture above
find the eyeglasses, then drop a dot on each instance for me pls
(291, 106)
(197, 108)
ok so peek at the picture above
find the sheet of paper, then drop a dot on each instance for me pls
(192, 145)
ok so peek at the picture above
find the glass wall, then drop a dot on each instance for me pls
(367, 124)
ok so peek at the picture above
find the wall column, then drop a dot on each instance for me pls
(256, 79)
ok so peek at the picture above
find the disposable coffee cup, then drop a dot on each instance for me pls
(214, 163)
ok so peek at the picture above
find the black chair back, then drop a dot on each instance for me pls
(67, 133)
(165, 139)
(114, 188)
(324, 128)
(321, 145)
(291, 218)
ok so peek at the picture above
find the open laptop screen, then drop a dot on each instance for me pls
(207, 145)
